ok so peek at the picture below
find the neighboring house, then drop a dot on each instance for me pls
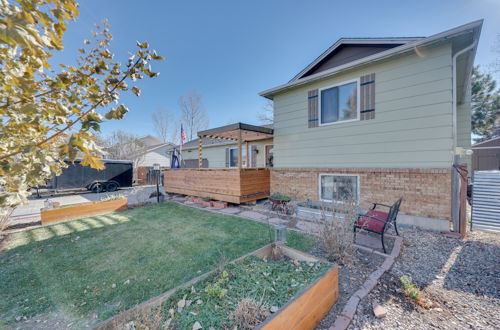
(219, 153)
(157, 152)
(486, 155)
(378, 118)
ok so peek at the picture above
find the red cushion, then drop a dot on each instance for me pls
(378, 214)
(372, 224)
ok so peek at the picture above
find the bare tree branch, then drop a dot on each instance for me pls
(266, 116)
(125, 146)
(163, 123)
(194, 117)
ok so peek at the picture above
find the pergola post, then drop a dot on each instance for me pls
(247, 157)
(239, 149)
(200, 151)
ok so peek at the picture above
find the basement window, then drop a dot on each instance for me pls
(338, 187)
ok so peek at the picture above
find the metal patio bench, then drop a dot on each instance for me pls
(377, 222)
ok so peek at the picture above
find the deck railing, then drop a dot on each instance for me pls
(225, 184)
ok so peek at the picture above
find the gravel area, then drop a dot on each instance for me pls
(460, 277)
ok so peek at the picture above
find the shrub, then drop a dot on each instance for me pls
(409, 287)
(334, 231)
(280, 196)
(206, 199)
(216, 289)
(414, 293)
(249, 313)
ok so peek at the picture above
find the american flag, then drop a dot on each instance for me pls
(183, 136)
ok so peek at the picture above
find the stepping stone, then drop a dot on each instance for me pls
(252, 215)
(277, 221)
(230, 210)
(369, 241)
(307, 226)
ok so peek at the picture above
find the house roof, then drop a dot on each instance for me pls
(206, 142)
(150, 140)
(390, 41)
(407, 45)
(152, 143)
(494, 142)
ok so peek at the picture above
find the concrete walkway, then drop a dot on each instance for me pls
(30, 212)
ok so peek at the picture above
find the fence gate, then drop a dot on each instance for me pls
(152, 177)
(486, 201)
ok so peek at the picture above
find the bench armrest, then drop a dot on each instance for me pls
(376, 204)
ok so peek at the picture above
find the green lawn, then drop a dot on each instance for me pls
(83, 271)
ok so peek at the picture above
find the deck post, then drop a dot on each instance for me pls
(247, 158)
(239, 149)
(200, 151)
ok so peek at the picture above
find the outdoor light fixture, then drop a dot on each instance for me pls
(156, 168)
(280, 233)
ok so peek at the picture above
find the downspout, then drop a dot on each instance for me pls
(454, 91)
(455, 179)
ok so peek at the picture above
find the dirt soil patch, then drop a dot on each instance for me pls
(460, 277)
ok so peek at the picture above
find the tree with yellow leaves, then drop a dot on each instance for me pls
(48, 115)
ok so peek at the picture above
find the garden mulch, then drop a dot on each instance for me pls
(460, 277)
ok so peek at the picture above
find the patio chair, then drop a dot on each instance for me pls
(377, 222)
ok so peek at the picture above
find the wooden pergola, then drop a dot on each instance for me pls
(235, 185)
(239, 132)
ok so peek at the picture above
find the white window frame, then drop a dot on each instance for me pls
(250, 156)
(229, 161)
(265, 158)
(358, 180)
(236, 148)
(358, 86)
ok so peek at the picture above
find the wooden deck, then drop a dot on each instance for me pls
(224, 184)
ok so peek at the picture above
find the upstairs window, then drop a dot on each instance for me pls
(339, 103)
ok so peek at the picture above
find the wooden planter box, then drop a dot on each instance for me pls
(304, 311)
(75, 211)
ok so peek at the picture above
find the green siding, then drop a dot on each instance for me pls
(412, 125)
(216, 155)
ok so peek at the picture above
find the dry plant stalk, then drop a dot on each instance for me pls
(249, 313)
(334, 230)
(148, 320)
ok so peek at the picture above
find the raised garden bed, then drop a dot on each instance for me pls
(288, 289)
(75, 211)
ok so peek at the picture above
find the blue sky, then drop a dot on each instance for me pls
(231, 50)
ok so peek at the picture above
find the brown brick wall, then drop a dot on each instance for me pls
(426, 192)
